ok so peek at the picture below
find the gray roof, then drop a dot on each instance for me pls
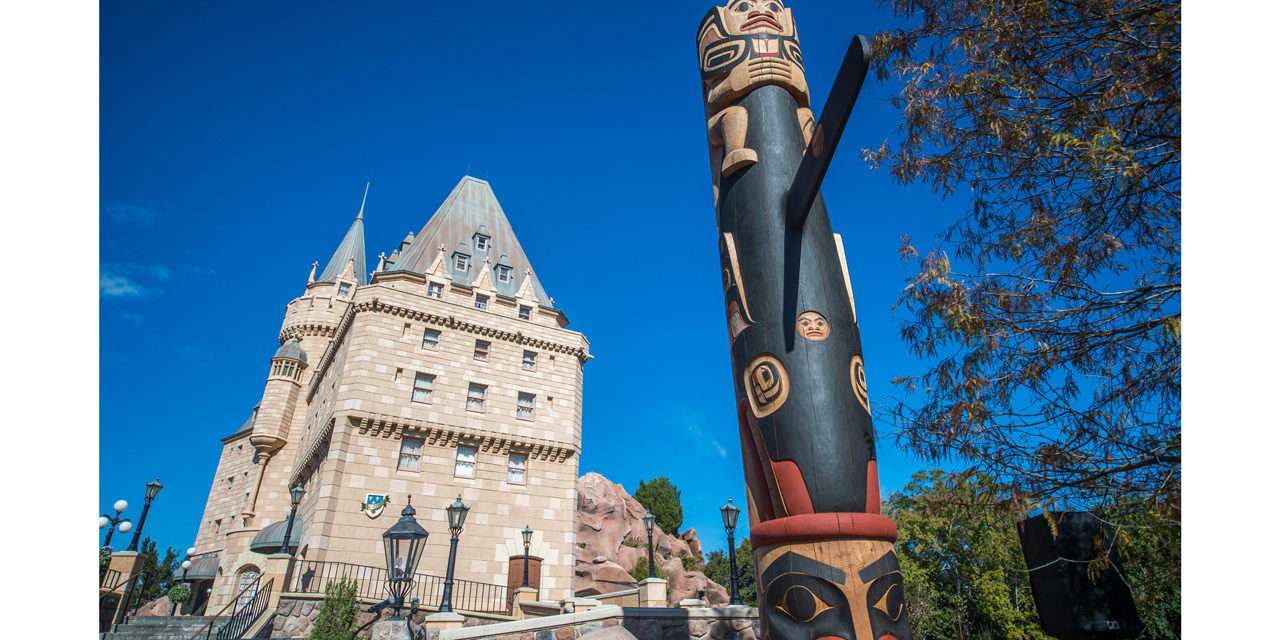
(471, 209)
(203, 567)
(268, 540)
(351, 248)
(247, 426)
(292, 350)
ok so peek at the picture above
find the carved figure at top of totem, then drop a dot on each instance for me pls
(745, 45)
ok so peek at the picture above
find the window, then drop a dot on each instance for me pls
(516, 464)
(464, 466)
(430, 339)
(504, 273)
(524, 406)
(344, 289)
(482, 243)
(529, 362)
(482, 302)
(475, 397)
(410, 454)
(423, 384)
(461, 262)
(482, 350)
(435, 290)
(525, 312)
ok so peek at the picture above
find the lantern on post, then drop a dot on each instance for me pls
(457, 517)
(649, 520)
(729, 513)
(403, 543)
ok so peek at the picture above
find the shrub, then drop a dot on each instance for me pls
(689, 562)
(662, 499)
(641, 570)
(179, 594)
(337, 612)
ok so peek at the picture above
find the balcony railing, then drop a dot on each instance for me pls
(312, 576)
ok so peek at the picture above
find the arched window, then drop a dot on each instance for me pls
(247, 585)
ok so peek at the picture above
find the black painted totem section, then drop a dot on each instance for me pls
(824, 552)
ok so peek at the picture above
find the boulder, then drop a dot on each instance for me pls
(611, 540)
(159, 607)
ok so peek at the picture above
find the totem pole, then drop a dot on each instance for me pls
(824, 553)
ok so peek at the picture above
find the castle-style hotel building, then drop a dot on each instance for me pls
(449, 371)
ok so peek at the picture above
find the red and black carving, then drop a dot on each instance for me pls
(804, 598)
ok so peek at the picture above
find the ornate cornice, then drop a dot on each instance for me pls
(306, 329)
(445, 435)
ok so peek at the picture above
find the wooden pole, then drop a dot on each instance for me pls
(824, 553)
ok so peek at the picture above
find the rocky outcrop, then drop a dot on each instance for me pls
(612, 540)
(161, 606)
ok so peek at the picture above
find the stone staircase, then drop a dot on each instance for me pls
(163, 628)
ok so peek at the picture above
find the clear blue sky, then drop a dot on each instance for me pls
(236, 140)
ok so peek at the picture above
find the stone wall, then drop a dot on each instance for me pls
(295, 616)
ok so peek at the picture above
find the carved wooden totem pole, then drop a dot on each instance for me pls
(824, 553)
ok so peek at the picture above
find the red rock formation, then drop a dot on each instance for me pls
(612, 539)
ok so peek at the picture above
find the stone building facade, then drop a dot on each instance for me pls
(449, 371)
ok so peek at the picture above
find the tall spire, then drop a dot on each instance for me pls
(351, 249)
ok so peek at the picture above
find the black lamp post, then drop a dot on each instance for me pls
(729, 512)
(403, 543)
(111, 522)
(153, 490)
(527, 534)
(295, 498)
(457, 516)
(649, 519)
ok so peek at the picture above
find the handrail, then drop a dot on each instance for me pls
(207, 631)
(241, 620)
(311, 576)
(113, 578)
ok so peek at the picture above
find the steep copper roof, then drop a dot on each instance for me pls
(351, 248)
(472, 210)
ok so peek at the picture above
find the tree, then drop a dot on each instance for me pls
(1050, 313)
(717, 570)
(962, 564)
(157, 575)
(662, 499)
(641, 569)
(965, 574)
(337, 613)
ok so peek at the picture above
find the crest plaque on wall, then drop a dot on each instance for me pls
(374, 504)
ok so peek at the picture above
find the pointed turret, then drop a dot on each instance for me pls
(470, 239)
(350, 250)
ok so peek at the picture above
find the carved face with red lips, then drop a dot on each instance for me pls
(757, 16)
(805, 599)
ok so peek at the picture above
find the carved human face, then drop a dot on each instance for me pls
(807, 598)
(757, 16)
(813, 326)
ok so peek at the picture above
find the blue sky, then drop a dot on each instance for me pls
(236, 139)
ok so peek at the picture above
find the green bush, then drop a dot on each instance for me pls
(689, 562)
(179, 593)
(337, 612)
(641, 570)
(662, 499)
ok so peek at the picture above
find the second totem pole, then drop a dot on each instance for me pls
(824, 554)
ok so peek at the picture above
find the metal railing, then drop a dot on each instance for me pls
(312, 576)
(111, 580)
(244, 611)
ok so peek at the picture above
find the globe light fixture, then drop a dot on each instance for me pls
(403, 544)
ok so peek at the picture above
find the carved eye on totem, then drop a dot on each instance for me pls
(890, 604)
(801, 604)
(742, 7)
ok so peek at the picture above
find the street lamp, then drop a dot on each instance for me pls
(729, 513)
(527, 534)
(295, 498)
(105, 521)
(457, 516)
(404, 543)
(153, 490)
(649, 519)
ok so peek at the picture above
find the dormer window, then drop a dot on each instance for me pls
(504, 273)
(482, 242)
(461, 262)
(344, 289)
(435, 290)
(482, 302)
